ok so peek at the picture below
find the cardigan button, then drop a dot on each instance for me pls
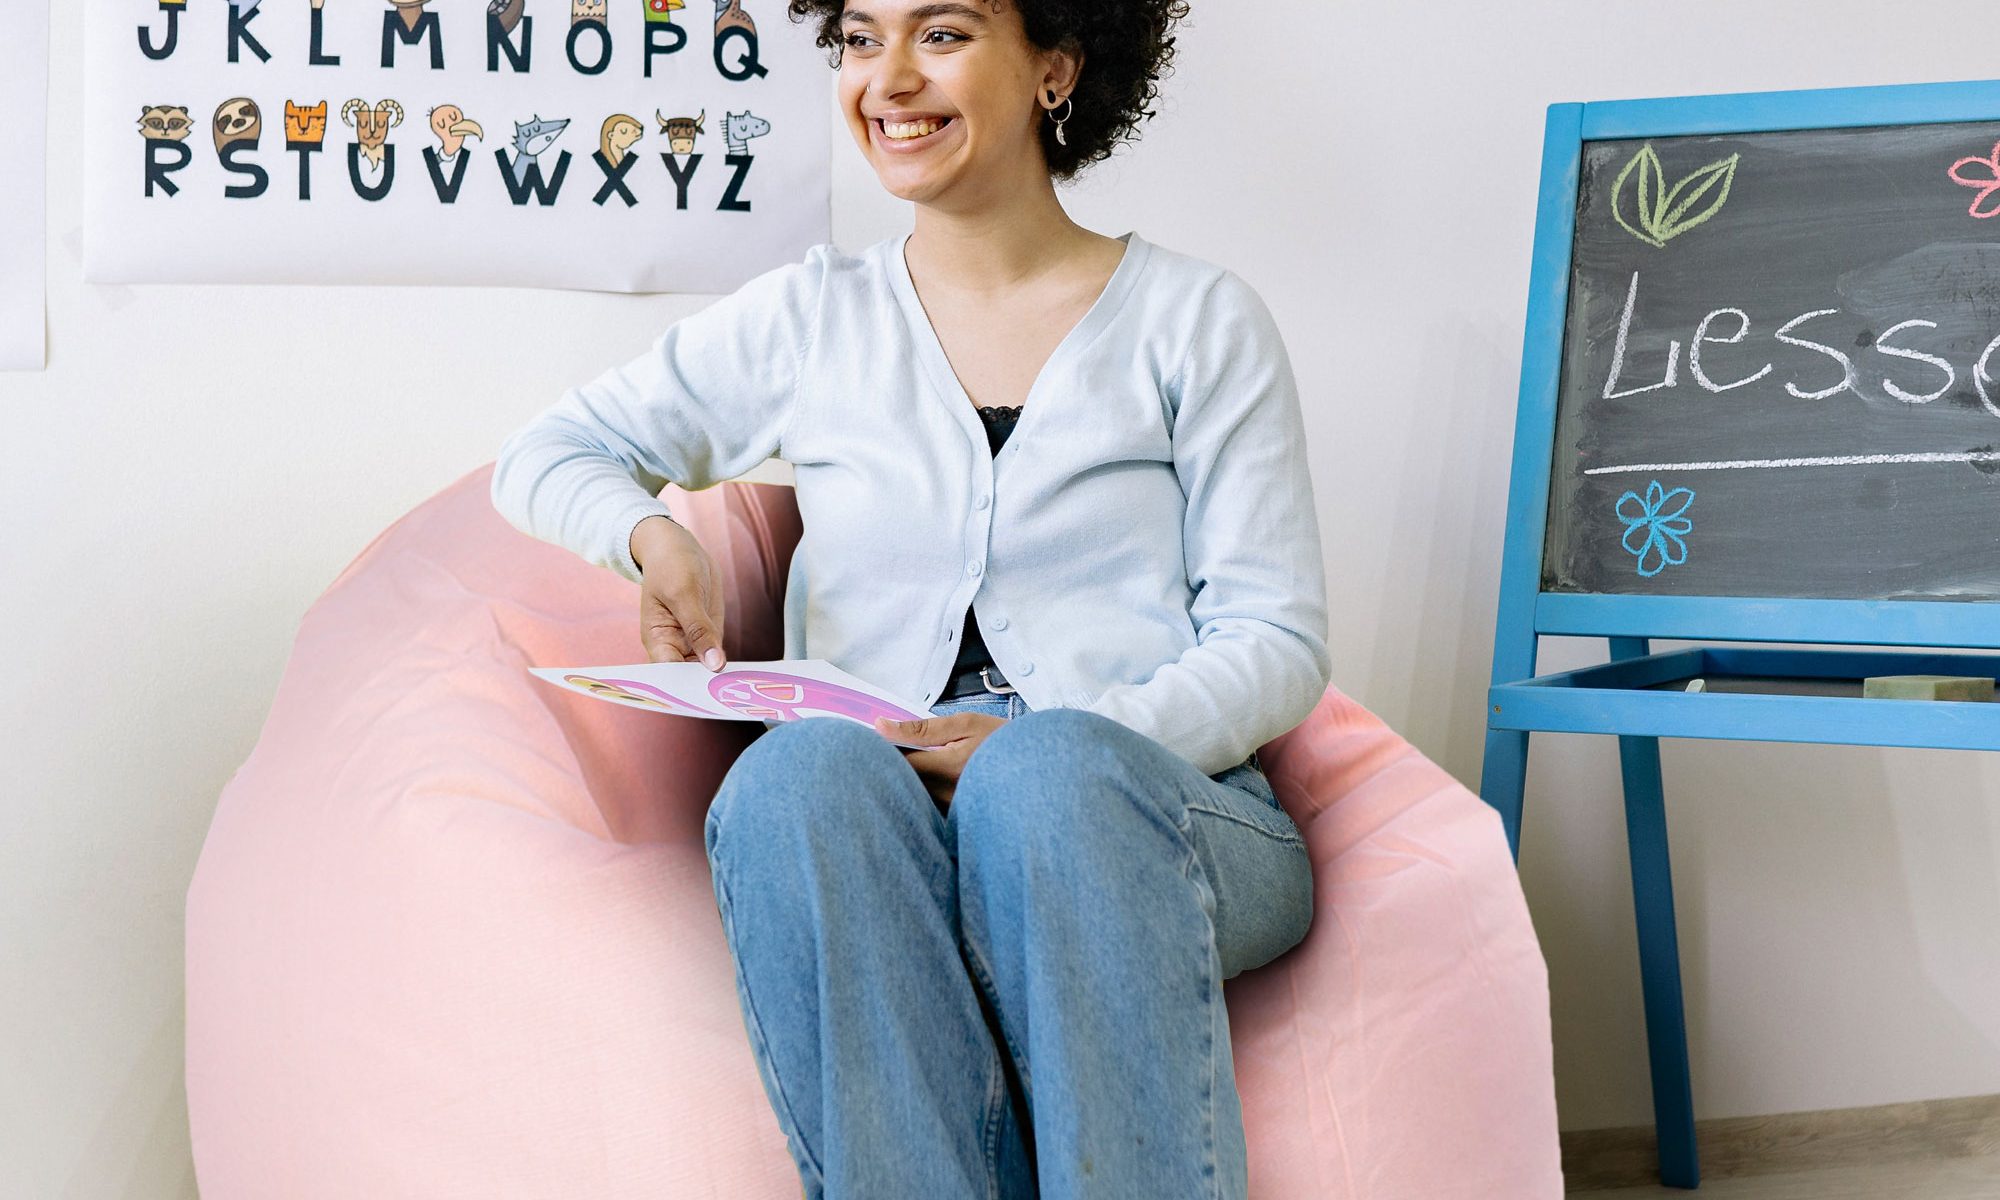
(1027, 668)
(981, 502)
(999, 622)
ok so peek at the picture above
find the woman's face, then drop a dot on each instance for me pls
(963, 70)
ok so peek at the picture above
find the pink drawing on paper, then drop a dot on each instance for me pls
(776, 695)
(635, 692)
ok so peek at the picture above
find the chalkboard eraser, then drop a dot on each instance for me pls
(1926, 687)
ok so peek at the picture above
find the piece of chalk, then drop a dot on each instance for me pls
(1927, 687)
(1697, 685)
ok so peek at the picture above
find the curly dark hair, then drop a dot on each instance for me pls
(1126, 47)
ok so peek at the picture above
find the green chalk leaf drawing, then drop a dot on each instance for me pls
(1663, 217)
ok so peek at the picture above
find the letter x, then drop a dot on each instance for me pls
(614, 179)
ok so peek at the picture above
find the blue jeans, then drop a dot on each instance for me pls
(1021, 994)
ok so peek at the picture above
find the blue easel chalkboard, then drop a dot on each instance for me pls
(1760, 402)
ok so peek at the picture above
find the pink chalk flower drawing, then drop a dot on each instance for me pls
(1664, 213)
(1983, 174)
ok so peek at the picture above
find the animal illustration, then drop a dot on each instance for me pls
(680, 131)
(411, 11)
(509, 12)
(739, 128)
(451, 127)
(237, 120)
(729, 14)
(617, 135)
(531, 138)
(166, 122)
(633, 691)
(662, 10)
(372, 123)
(305, 125)
(586, 10)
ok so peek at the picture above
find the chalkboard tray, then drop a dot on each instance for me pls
(1755, 695)
(1785, 685)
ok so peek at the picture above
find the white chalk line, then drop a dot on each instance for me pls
(1849, 460)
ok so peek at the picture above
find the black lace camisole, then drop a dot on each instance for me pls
(972, 652)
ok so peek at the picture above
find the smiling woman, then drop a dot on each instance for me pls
(1052, 484)
(1127, 45)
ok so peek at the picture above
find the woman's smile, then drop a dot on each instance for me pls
(908, 137)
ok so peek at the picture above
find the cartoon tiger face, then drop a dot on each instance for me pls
(586, 10)
(237, 120)
(305, 125)
(166, 122)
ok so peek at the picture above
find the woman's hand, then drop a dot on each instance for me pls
(680, 611)
(960, 734)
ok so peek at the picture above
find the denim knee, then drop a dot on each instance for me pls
(774, 778)
(1046, 771)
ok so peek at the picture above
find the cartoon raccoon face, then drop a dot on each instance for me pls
(586, 10)
(237, 121)
(166, 122)
(305, 124)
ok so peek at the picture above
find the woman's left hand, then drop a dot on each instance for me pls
(956, 734)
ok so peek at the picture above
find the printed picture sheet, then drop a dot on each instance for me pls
(768, 690)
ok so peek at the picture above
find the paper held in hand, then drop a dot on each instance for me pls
(762, 690)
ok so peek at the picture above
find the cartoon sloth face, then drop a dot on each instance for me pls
(166, 123)
(305, 124)
(586, 10)
(237, 121)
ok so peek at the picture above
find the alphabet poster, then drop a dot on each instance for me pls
(24, 97)
(610, 145)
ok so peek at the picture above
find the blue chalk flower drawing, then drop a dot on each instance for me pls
(1654, 526)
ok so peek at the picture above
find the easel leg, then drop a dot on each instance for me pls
(1502, 779)
(1659, 960)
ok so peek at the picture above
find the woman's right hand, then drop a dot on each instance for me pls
(680, 605)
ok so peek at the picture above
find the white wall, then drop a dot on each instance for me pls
(199, 462)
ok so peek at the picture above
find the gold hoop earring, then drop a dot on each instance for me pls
(1060, 139)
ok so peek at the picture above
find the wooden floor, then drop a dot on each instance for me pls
(1920, 1150)
(1946, 1179)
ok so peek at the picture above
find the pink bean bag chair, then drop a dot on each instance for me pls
(452, 933)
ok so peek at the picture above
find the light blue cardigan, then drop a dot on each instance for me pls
(1144, 546)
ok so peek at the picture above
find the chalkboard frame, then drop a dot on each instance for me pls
(1622, 697)
(1527, 612)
